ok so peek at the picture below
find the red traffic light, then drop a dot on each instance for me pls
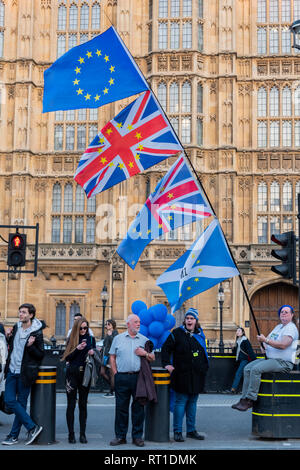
(17, 241)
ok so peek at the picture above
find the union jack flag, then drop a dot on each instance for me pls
(136, 139)
(177, 200)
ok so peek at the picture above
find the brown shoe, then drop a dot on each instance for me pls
(138, 442)
(118, 441)
(244, 405)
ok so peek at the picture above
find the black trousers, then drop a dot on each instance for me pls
(125, 388)
(74, 378)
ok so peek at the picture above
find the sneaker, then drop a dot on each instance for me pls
(33, 434)
(109, 394)
(10, 440)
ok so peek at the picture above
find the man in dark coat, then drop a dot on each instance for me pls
(25, 354)
(184, 356)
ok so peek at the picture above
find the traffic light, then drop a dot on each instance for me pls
(287, 255)
(16, 255)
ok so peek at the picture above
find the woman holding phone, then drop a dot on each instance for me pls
(80, 344)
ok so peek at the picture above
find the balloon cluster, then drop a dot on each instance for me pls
(156, 322)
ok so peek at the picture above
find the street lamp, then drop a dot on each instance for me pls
(295, 29)
(104, 298)
(221, 296)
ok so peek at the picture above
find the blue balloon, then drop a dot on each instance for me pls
(169, 322)
(137, 306)
(154, 341)
(160, 312)
(163, 338)
(144, 330)
(145, 317)
(156, 329)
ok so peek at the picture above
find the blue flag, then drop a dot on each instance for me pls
(177, 200)
(92, 74)
(205, 264)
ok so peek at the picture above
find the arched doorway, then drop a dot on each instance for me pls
(265, 303)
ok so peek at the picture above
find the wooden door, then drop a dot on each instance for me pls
(265, 304)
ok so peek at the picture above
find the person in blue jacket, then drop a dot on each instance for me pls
(244, 354)
(184, 355)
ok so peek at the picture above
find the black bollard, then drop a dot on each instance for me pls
(43, 404)
(157, 417)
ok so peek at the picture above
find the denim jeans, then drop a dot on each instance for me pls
(185, 403)
(239, 374)
(15, 397)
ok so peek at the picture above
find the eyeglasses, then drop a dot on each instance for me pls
(83, 327)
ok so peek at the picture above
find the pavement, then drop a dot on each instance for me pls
(224, 428)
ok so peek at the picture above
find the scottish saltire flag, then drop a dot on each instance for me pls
(205, 264)
(92, 74)
(177, 200)
(136, 139)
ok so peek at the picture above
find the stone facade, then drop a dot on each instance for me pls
(207, 54)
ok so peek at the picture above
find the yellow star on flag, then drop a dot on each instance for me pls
(199, 270)
(98, 52)
(76, 81)
(105, 91)
(97, 97)
(111, 164)
(138, 135)
(137, 157)
(140, 147)
(111, 81)
(119, 125)
(189, 288)
(103, 160)
(79, 91)
(170, 195)
(87, 96)
(106, 58)
(196, 279)
(89, 54)
(109, 131)
(101, 140)
(77, 70)
(81, 60)
(121, 165)
(130, 164)
(112, 68)
(129, 127)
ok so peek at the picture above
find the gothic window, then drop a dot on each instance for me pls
(262, 134)
(61, 44)
(200, 8)
(73, 18)
(174, 35)
(274, 134)
(58, 137)
(84, 17)
(274, 11)
(275, 197)
(186, 97)
(163, 9)
(286, 102)
(175, 8)
(187, 35)
(56, 198)
(81, 137)
(274, 102)
(199, 131)
(199, 98)
(287, 133)
(62, 18)
(287, 223)
(186, 130)
(60, 319)
(174, 98)
(261, 11)
(261, 40)
(72, 40)
(287, 197)
(75, 221)
(162, 36)
(262, 197)
(186, 8)
(262, 223)
(200, 37)
(68, 198)
(69, 134)
(262, 102)
(96, 16)
(286, 11)
(162, 95)
(274, 40)
(285, 40)
(175, 124)
(274, 225)
(296, 10)
(74, 309)
(67, 229)
(297, 101)
(297, 133)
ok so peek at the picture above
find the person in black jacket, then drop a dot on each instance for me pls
(25, 354)
(184, 356)
(244, 354)
(111, 332)
(80, 344)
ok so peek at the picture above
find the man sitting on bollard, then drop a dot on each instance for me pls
(125, 359)
(25, 354)
(280, 348)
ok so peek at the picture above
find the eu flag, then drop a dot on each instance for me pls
(92, 74)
